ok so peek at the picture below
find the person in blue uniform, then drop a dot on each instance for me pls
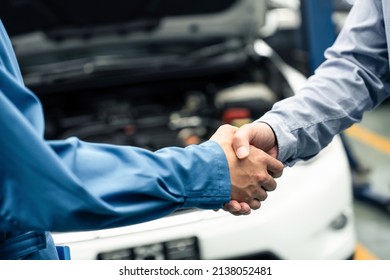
(71, 185)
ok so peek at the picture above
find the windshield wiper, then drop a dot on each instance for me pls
(89, 67)
(141, 25)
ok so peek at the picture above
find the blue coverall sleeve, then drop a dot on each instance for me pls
(69, 185)
(73, 185)
(353, 79)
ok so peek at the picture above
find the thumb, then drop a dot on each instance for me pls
(241, 142)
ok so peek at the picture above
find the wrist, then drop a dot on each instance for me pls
(269, 138)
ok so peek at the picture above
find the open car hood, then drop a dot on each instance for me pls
(63, 19)
(61, 43)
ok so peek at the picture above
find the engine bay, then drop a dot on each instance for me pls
(169, 112)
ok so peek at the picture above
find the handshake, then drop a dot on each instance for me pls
(251, 152)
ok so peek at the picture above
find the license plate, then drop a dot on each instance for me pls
(178, 249)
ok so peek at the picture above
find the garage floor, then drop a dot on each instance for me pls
(370, 142)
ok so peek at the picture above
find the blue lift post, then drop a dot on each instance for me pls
(319, 33)
(318, 29)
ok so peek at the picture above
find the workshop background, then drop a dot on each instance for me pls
(168, 73)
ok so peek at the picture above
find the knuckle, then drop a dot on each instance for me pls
(261, 177)
(236, 137)
(228, 127)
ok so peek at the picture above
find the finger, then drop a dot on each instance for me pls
(237, 209)
(255, 204)
(269, 184)
(254, 192)
(274, 167)
(241, 142)
(262, 194)
(245, 208)
(232, 206)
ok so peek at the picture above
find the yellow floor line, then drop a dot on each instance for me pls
(361, 253)
(381, 144)
(369, 138)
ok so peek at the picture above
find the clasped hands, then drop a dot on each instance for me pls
(251, 152)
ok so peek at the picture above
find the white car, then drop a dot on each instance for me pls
(170, 75)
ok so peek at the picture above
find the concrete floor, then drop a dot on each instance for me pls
(373, 222)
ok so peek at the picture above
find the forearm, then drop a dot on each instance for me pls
(74, 185)
(196, 176)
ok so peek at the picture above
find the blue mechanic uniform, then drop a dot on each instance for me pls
(71, 185)
(354, 78)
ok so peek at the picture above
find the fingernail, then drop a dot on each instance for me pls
(242, 152)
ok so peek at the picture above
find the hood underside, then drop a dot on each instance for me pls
(71, 17)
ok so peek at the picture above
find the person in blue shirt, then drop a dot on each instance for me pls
(71, 185)
(353, 79)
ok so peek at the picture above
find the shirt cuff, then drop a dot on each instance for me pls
(286, 141)
(216, 179)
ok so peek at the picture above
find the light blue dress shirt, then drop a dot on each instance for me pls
(69, 185)
(353, 79)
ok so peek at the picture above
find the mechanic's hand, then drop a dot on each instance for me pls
(259, 135)
(251, 177)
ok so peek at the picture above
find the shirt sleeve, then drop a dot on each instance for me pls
(353, 79)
